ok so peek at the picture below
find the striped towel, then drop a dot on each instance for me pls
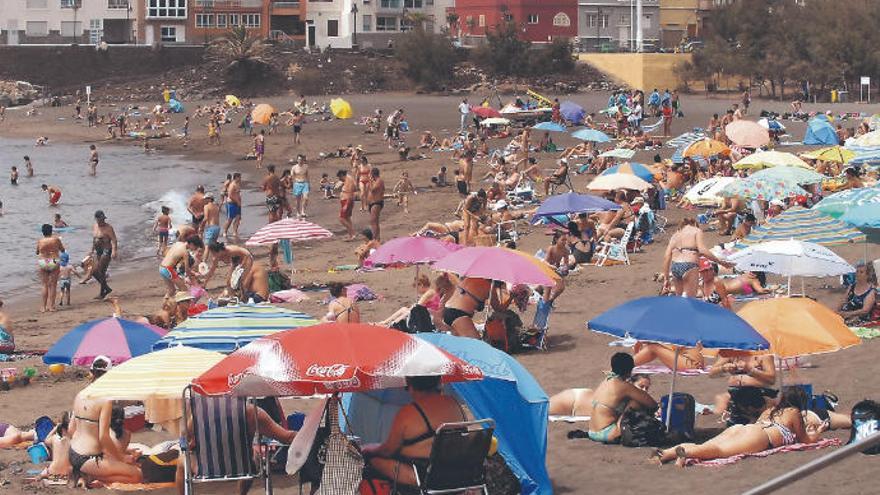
(660, 369)
(686, 139)
(726, 461)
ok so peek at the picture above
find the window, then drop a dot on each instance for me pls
(250, 20)
(603, 20)
(561, 20)
(623, 20)
(70, 29)
(234, 20)
(69, 4)
(412, 4)
(367, 23)
(389, 4)
(168, 34)
(96, 31)
(36, 28)
(37, 4)
(221, 20)
(332, 28)
(118, 4)
(204, 20)
(168, 9)
(646, 21)
(482, 21)
(532, 18)
(386, 23)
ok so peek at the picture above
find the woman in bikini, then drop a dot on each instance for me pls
(579, 401)
(363, 176)
(10, 436)
(861, 298)
(689, 358)
(428, 300)
(750, 381)
(615, 222)
(469, 297)
(682, 259)
(411, 437)
(341, 309)
(48, 251)
(93, 453)
(747, 284)
(614, 396)
(777, 426)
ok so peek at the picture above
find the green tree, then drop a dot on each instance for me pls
(244, 58)
(504, 53)
(428, 58)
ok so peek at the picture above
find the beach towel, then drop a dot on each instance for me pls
(138, 487)
(866, 333)
(821, 444)
(652, 127)
(288, 296)
(360, 292)
(659, 369)
(556, 418)
(686, 139)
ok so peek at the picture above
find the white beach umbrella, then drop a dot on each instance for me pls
(707, 192)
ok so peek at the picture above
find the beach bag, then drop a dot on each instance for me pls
(235, 278)
(639, 428)
(7, 343)
(343, 462)
(865, 418)
(681, 423)
(419, 320)
(278, 281)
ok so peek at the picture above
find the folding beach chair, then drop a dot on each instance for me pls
(558, 186)
(615, 251)
(457, 460)
(506, 231)
(222, 448)
(536, 337)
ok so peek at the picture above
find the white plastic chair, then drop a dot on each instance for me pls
(616, 250)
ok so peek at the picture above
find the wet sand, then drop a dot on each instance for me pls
(576, 357)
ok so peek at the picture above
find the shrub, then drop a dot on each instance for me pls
(428, 58)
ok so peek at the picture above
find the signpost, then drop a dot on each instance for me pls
(865, 89)
(88, 96)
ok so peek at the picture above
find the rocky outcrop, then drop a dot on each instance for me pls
(14, 93)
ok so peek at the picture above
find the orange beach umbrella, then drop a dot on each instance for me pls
(262, 113)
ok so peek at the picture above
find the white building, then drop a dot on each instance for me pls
(66, 21)
(372, 23)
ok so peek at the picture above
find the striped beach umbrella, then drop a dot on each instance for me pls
(636, 169)
(837, 204)
(801, 224)
(288, 229)
(116, 338)
(227, 328)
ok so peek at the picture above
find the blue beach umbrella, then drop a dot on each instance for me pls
(636, 169)
(549, 127)
(563, 204)
(572, 112)
(839, 203)
(591, 135)
(864, 216)
(116, 338)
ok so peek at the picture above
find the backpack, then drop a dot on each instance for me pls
(681, 424)
(640, 428)
(865, 422)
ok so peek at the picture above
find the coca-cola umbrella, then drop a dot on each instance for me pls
(331, 358)
(485, 112)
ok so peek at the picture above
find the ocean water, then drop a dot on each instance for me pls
(130, 187)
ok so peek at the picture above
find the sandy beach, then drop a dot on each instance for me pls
(576, 357)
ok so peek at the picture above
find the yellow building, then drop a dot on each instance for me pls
(684, 20)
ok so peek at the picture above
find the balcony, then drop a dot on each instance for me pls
(228, 4)
(285, 5)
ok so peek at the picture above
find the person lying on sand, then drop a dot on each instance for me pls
(579, 401)
(10, 436)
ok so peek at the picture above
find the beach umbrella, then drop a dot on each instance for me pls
(591, 135)
(262, 113)
(612, 182)
(622, 153)
(331, 358)
(508, 394)
(798, 326)
(288, 229)
(796, 175)
(871, 158)
(706, 148)
(747, 133)
(495, 121)
(116, 338)
(227, 328)
(496, 263)
(864, 216)
(869, 141)
(680, 322)
(836, 154)
(708, 192)
(568, 203)
(341, 109)
(549, 127)
(572, 112)
(791, 258)
(232, 101)
(838, 203)
(411, 251)
(804, 225)
(767, 159)
(485, 112)
(637, 169)
(764, 189)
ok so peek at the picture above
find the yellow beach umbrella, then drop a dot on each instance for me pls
(836, 154)
(341, 109)
(767, 159)
(706, 148)
(262, 113)
(798, 326)
(233, 101)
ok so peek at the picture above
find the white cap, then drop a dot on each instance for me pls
(776, 202)
(500, 205)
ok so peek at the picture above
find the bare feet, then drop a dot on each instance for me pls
(680, 457)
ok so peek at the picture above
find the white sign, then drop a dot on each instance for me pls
(866, 80)
(88, 90)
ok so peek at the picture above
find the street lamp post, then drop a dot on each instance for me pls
(598, 21)
(354, 33)
(128, 22)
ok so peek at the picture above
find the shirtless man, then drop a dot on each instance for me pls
(54, 193)
(274, 192)
(300, 173)
(104, 248)
(211, 222)
(93, 160)
(296, 123)
(235, 256)
(375, 201)
(346, 201)
(28, 166)
(196, 208)
(557, 256)
(260, 147)
(233, 206)
(175, 253)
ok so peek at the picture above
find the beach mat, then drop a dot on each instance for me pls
(659, 369)
(798, 447)
(866, 333)
(557, 418)
(138, 487)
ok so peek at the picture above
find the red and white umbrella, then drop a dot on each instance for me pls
(290, 229)
(330, 358)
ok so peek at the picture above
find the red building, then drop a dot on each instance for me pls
(539, 20)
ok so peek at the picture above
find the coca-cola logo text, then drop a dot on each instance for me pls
(329, 371)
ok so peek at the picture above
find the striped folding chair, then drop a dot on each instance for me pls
(221, 448)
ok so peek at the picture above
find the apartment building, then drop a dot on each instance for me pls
(610, 25)
(539, 20)
(682, 20)
(66, 21)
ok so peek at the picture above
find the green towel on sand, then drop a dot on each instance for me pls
(866, 333)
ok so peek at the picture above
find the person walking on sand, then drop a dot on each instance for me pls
(49, 249)
(161, 228)
(296, 122)
(93, 160)
(212, 223)
(300, 173)
(346, 201)
(260, 147)
(233, 206)
(375, 201)
(196, 207)
(104, 248)
(463, 110)
(54, 193)
(274, 192)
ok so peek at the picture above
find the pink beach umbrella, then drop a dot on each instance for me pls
(496, 263)
(411, 251)
(747, 133)
(116, 338)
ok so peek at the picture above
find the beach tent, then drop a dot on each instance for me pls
(232, 101)
(262, 113)
(572, 112)
(820, 131)
(508, 394)
(175, 106)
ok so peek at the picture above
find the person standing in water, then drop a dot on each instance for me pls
(93, 160)
(104, 248)
(13, 176)
(54, 194)
(49, 249)
(162, 227)
(28, 166)
(196, 207)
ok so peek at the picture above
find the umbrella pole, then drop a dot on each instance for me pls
(672, 388)
(789, 286)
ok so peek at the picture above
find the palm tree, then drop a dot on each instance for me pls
(241, 55)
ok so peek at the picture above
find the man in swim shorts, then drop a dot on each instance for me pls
(211, 222)
(196, 207)
(175, 253)
(274, 192)
(233, 206)
(375, 201)
(54, 194)
(346, 201)
(300, 173)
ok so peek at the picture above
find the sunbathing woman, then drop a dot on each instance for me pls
(448, 232)
(428, 301)
(777, 426)
(579, 401)
(747, 284)
(341, 309)
(470, 297)
(612, 397)
(751, 381)
(689, 358)
(11, 436)
(614, 224)
(682, 259)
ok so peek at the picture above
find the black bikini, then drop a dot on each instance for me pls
(77, 460)
(450, 315)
